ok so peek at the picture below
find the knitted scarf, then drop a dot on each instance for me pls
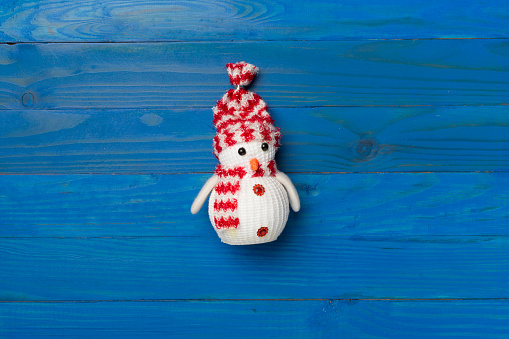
(227, 189)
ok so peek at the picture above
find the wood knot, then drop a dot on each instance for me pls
(27, 99)
(366, 149)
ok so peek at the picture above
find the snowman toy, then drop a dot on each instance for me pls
(250, 197)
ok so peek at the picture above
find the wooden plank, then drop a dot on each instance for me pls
(68, 20)
(326, 139)
(382, 205)
(163, 75)
(259, 319)
(325, 267)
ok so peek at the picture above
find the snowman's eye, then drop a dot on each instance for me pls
(242, 151)
(265, 146)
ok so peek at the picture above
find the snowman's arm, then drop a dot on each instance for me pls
(204, 193)
(290, 189)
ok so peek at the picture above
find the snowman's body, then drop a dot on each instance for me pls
(262, 211)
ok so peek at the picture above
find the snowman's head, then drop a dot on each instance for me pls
(248, 154)
(246, 134)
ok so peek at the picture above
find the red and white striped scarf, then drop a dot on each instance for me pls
(227, 189)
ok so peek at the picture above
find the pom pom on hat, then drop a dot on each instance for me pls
(240, 115)
(241, 73)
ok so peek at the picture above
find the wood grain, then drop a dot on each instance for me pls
(176, 75)
(176, 267)
(105, 115)
(326, 139)
(381, 205)
(257, 319)
(166, 20)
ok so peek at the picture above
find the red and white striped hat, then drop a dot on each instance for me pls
(240, 115)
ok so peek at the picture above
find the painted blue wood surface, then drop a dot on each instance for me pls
(169, 20)
(259, 319)
(332, 139)
(325, 267)
(176, 75)
(105, 129)
(103, 237)
(402, 205)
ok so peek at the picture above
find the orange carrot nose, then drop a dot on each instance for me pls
(254, 164)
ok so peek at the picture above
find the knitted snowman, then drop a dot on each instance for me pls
(249, 200)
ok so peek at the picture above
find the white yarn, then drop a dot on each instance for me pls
(269, 210)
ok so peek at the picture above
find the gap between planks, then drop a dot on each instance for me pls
(374, 237)
(166, 108)
(243, 300)
(12, 43)
(288, 172)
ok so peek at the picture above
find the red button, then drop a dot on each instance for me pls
(262, 231)
(259, 190)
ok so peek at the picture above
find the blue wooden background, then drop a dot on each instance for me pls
(395, 120)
